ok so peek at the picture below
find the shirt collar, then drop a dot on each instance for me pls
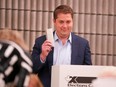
(56, 37)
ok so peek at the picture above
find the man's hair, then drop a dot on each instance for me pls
(65, 9)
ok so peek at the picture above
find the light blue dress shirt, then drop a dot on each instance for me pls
(62, 53)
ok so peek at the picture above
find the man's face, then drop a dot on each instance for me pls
(63, 25)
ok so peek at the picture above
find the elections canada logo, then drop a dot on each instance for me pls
(79, 81)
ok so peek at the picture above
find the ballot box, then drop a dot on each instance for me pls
(75, 75)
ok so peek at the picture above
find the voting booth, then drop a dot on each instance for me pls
(75, 75)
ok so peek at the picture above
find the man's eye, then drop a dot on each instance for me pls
(61, 22)
(68, 22)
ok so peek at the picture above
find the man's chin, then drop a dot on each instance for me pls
(64, 35)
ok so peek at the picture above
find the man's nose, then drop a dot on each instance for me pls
(64, 25)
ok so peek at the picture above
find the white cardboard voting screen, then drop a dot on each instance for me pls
(74, 75)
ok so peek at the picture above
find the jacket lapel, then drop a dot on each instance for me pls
(75, 50)
(50, 57)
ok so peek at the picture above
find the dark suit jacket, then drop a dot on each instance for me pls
(80, 55)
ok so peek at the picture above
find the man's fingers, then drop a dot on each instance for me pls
(48, 49)
(47, 43)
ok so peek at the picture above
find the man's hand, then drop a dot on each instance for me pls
(46, 48)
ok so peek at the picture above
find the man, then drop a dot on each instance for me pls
(69, 49)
